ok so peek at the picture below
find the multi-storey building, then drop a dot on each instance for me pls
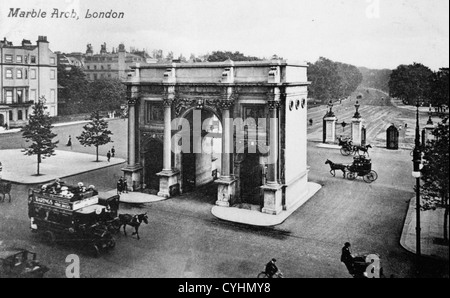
(27, 73)
(107, 65)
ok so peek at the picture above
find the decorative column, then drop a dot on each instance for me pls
(133, 170)
(329, 128)
(226, 188)
(272, 189)
(168, 177)
(357, 126)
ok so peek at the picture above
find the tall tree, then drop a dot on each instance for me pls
(410, 83)
(95, 133)
(73, 90)
(105, 95)
(220, 56)
(325, 79)
(439, 93)
(38, 131)
(435, 172)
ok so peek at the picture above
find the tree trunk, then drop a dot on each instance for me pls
(38, 163)
(96, 149)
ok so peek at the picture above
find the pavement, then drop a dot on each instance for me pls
(22, 169)
(15, 130)
(431, 230)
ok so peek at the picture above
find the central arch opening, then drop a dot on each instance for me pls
(201, 165)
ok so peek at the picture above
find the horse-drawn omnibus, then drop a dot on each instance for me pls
(73, 214)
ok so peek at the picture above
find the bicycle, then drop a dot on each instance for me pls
(263, 274)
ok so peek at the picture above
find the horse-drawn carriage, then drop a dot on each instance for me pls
(20, 263)
(73, 214)
(361, 166)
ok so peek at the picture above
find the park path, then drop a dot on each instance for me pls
(378, 112)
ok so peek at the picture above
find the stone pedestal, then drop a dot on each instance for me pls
(133, 176)
(356, 131)
(168, 183)
(272, 199)
(226, 190)
(330, 129)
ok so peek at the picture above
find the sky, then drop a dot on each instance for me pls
(372, 33)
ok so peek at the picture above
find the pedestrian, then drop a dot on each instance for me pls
(119, 186)
(271, 268)
(310, 121)
(69, 142)
(113, 151)
(406, 125)
(125, 186)
(108, 155)
(347, 258)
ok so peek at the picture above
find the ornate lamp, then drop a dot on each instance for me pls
(357, 115)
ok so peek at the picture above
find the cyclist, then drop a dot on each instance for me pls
(271, 268)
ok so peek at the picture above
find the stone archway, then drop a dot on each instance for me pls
(200, 165)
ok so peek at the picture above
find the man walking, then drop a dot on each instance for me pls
(108, 155)
(113, 151)
(347, 258)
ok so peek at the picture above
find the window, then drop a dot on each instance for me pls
(52, 74)
(26, 114)
(19, 59)
(19, 96)
(26, 73)
(19, 115)
(95, 66)
(33, 59)
(109, 66)
(10, 116)
(95, 76)
(33, 74)
(9, 96)
(52, 60)
(9, 73)
(52, 95)
(33, 94)
(88, 67)
(254, 112)
(19, 74)
(26, 59)
(8, 58)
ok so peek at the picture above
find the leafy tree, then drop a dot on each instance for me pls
(325, 79)
(375, 78)
(96, 133)
(439, 94)
(220, 56)
(38, 131)
(105, 95)
(410, 82)
(435, 172)
(73, 91)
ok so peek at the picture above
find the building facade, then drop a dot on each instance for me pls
(28, 72)
(240, 124)
(106, 65)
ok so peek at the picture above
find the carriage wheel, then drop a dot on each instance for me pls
(370, 177)
(49, 237)
(345, 151)
(351, 175)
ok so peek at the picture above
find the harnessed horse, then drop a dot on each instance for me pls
(364, 149)
(336, 166)
(134, 221)
(5, 189)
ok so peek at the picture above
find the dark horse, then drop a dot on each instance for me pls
(364, 149)
(5, 189)
(336, 166)
(134, 221)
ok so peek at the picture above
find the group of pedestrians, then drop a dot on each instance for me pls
(111, 153)
(122, 186)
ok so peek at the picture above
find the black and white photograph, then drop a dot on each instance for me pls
(217, 142)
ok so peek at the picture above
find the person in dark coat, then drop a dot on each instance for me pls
(119, 186)
(108, 155)
(69, 142)
(113, 151)
(347, 258)
(271, 268)
(125, 186)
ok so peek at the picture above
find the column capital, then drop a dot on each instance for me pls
(167, 102)
(274, 104)
(226, 104)
(132, 101)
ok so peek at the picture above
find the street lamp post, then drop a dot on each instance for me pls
(416, 174)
